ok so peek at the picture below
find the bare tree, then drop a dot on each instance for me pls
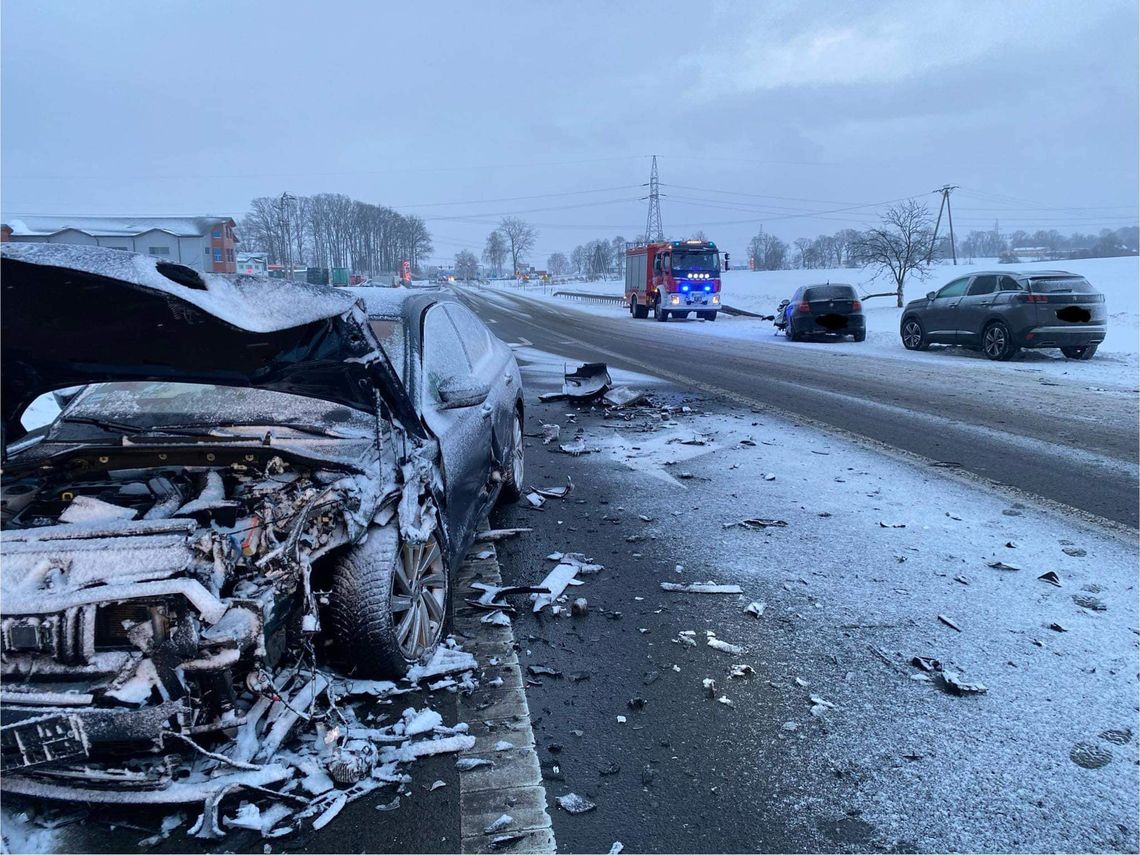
(768, 252)
(495, 251)
(618, 245)
(520, 236)
(899, 245)
(466, 266)
(558, 264)
(578, 258)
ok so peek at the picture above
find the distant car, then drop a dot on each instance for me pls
(1000, 313)
(830, 309)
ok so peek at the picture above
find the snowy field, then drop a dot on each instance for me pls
(1116, 363)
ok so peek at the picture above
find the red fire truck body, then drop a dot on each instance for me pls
(673, 278)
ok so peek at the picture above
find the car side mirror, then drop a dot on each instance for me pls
(461, 391)
(930, 295)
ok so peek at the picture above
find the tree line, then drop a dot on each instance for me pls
(768, 252)
(334, 230)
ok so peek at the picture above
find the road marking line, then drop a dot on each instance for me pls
(493, 713)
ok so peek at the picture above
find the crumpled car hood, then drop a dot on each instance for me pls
(73, 315)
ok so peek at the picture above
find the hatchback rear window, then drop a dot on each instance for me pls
(1061, 285)
(830, 292)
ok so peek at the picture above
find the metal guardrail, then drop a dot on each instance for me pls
(591, 298)
(620, 300)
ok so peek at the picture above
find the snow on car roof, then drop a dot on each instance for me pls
(250, 303)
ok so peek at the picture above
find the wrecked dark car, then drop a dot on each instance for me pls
(244, 485)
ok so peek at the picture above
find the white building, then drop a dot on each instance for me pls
(253, 263)
(207, 244)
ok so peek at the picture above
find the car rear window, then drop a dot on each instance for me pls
(830, 292)
(1061, 285)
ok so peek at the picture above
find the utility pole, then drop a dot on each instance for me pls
(945, 191)
(653, 230)
(287, 200)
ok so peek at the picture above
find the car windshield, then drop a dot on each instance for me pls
(704, 260)
(830, 292)
(155, 404)
(1061, 285)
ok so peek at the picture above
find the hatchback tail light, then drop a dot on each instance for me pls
(1032, 298)
(856, 306)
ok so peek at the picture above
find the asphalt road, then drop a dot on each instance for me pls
(1059, 442)
(898, 766)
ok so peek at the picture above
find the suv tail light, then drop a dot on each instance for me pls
(856, 306)
(804, 306)
(1032, 298)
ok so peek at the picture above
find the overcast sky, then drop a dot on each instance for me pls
(774, 114)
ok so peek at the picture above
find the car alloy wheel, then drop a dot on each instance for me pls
(517, 451)
(996, 343)
(912, 335)
(419, 597)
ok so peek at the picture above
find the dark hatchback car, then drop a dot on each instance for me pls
(252, 468)
(1000, 313)
(830, 309)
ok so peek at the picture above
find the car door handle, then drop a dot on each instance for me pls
(508, 378)
(486, 410)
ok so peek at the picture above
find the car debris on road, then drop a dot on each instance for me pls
(586, 382)
(701, 588)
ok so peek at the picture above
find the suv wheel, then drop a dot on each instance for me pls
(389, 603)
(997, 342)
(913, 335)
(1084, 351)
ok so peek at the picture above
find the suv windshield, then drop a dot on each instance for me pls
(1061, 285)
(704, 260)
(155, 404)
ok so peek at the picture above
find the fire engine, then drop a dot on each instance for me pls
(673, 278)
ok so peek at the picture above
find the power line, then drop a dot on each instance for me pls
(482, 216)
(514, 198)
(388, 171)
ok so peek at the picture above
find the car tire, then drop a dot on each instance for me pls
(790, 332)
(658, 312)
(861, 336)
(997, 342)
(513, 471)
(913, 335)
(375, 636)
(1082, 352)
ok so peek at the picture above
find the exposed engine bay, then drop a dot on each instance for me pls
(144, 600)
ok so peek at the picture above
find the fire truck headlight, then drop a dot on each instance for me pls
(675, 299)
(716, 298)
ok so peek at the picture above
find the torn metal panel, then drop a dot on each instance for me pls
(586, 382)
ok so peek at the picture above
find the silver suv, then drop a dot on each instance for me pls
(1001, 313)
